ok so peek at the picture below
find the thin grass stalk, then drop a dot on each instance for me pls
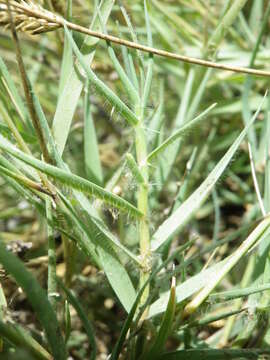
(52, 280)
(26, 87)
(53, 22)
(142, 205)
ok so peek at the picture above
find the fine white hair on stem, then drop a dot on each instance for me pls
(255, 181)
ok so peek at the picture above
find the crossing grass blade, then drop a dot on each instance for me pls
(165, 327)
(84, 319)
(179, 133)
(102, 88)
(180, 217)
(68, 101)
(19, 337)
(72, 180)
(37, 298)
(215, 354)
(13, 91)
(237, 293)
(92, 162)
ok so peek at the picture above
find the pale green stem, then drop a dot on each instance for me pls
(52, 282)
(142, 204)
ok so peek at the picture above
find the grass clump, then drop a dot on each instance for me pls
(139, 174)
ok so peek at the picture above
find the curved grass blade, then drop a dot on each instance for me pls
(67, 61)
(127, 324)
(179, 218)
(237, 293)
(103, 89)
(14, 94)
(69, 98)
(208, 319)
(166, 163)
(129, 87)
(179, 133)
(184, 290)
(165, 327)
(99, 241)
(230, 262)
(246, 111)
(150, 61)
(72, 180)
(21, 339)
(38, 299)
(97, 233)
(92, 162)
(214, 354)
(118, 278)
(23, 180)
(82, 315)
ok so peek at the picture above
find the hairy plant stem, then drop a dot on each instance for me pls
(142, 204)
(52, 282)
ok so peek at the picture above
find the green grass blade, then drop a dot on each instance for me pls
(68, 101)
(21, 339)
(267, 163)
(168, 160)
(214, 354)
(20, 107)
(129, 87)
(127, 324)
(135, 170)
(165, 327)
(97, 232)
(103, 89)
(208, 319)
(100, 241)
(246, 111)
(92, 162)
(150, 62)
(118, 279)
(155, 123)
(72, 180)
(237, 293)
(84, 319)
(38, 299)
(184, 290)
(231, 261)
(172, 225)
(179, 133)
(67, 61)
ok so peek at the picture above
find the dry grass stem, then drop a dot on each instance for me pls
(34, 19)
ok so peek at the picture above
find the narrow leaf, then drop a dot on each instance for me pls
(179, 133)
(72, 180)
(84, 319)
(165, 327)
(91, 153)
(38, 299)
(103, 89)
(20, 338)
(69, 98)
(179, 218)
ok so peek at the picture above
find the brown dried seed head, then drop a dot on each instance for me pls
(27, 17)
